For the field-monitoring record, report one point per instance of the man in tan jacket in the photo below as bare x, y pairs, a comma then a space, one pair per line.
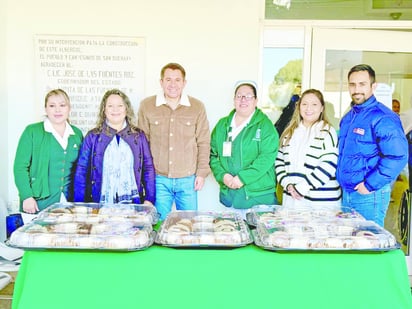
177, 128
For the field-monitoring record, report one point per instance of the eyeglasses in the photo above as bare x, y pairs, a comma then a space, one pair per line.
246, 97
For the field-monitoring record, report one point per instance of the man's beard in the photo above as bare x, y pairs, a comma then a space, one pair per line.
360, 98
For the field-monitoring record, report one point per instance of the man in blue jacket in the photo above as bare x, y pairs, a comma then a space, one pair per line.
373, 148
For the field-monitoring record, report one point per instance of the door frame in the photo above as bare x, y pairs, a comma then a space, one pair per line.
321, 35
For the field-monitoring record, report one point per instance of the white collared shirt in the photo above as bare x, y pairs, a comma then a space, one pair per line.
62, 140
237, 129
160, 99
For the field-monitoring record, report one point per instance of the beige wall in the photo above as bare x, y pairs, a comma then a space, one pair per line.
4, 151
218, 42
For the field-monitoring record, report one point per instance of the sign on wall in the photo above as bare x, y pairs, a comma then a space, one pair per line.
86, 67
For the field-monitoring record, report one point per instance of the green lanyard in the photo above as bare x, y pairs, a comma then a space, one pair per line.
229, 135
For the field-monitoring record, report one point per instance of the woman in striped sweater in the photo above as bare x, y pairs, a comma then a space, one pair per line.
307, 157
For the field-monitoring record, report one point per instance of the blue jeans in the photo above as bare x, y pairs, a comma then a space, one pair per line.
178, 190
372, 206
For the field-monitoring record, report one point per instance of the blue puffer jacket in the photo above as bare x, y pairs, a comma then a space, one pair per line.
372, 146
88, 176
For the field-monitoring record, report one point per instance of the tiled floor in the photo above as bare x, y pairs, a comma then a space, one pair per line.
6, 294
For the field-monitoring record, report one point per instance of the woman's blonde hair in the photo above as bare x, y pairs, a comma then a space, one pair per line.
57, 92
297, 118
130, 115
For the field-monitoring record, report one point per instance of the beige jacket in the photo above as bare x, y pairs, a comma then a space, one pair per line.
179, 139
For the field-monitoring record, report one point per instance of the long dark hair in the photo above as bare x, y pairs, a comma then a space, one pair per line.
297, 118
130, 115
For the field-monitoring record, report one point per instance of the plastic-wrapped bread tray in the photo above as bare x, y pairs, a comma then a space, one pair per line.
118, 227
366, 236
203, 229
278, 214
96, 213
290, 230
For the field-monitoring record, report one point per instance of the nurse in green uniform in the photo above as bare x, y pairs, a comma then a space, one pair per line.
46, 155
244, 146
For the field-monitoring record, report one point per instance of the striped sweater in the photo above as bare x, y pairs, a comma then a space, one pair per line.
309, 161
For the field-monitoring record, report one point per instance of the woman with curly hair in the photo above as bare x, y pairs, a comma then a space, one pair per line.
115, 163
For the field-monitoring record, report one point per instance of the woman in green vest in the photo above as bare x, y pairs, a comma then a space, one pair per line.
46, 155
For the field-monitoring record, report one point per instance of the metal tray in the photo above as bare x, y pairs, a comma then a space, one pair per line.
197, 229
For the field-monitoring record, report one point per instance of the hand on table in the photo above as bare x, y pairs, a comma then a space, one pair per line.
146, 202
30, 206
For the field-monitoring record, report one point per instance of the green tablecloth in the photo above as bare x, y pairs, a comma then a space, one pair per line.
247, 277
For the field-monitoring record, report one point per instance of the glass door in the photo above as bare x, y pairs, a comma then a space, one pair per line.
334, 52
